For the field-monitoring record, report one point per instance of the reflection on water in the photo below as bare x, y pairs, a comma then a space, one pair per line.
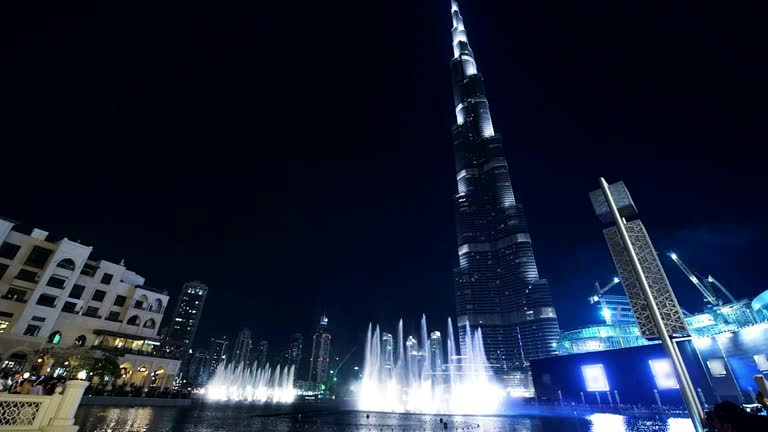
607, 423
253, 418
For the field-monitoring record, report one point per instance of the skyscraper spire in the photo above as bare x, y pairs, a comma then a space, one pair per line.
497, 282
460, 42
468, 89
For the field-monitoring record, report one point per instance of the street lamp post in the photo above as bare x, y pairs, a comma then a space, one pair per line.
686, 386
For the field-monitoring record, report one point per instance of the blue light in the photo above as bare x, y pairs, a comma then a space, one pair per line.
594, 377
606, 314
663, 373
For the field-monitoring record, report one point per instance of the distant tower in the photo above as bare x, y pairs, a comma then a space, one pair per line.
412, 357
321, 353
294, 350
199, 368
436, 352
388, 350
181, 331
241, 350
217, 350
261, 352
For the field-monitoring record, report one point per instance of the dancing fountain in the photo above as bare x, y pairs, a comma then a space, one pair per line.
414, 378
240, 383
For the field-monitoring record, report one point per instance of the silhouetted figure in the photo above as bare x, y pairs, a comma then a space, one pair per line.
761, 400
730, 417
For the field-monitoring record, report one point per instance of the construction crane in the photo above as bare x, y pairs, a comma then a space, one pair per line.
598, 297
711, 280
708, 294
599, 291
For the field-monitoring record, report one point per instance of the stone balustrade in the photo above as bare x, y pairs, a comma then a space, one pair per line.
54, 413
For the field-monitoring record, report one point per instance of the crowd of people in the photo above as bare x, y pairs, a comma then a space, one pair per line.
28, 384
135, 390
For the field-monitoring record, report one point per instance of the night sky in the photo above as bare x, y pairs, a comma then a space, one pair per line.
296, 157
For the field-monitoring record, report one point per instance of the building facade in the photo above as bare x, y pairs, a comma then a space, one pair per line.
241, 350
321, 354
217, 348
185, 320
260, 353
53, 294
497, 283
199, 370
293, 357
436, 352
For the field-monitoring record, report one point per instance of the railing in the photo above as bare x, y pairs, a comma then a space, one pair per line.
25, 412
153, 289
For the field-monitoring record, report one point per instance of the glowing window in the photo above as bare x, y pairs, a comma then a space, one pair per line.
594, 377
716, 367
4, 325
762, 362
664, 374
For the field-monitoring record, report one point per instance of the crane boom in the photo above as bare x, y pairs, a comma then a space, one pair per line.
712, 280
707, 293
594, 298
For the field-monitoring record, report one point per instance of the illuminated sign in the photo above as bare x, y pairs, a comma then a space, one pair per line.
664, 374
716, 367
594, 378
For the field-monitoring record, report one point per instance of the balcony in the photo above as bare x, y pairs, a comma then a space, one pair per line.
154, 290
138, 304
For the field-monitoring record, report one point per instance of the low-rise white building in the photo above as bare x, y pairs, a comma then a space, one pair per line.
52, 294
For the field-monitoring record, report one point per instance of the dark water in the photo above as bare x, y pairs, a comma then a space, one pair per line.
250, 418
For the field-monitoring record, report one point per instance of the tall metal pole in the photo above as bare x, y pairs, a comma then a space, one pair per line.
694, 409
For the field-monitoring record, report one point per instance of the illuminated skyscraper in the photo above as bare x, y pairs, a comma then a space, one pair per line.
388, 350
241, 350
436, 352
199, 368
497, 282
290, 355
186, 317
321, 353
260, 352
413, 358
217, 349
294, 350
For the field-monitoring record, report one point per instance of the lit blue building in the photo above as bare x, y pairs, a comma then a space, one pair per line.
728, 347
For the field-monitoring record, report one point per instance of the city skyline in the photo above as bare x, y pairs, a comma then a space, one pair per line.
572, 109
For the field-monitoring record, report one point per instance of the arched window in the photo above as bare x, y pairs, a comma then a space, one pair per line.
80, 340
55, 338
66, 264
150, 323
134, 320
141, 302
157, 306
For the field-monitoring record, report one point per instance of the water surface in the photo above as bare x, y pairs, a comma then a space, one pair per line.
252, 418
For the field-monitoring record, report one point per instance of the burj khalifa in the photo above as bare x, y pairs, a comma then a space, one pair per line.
497, 283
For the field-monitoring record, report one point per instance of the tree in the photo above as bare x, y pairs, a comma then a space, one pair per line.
105, 367
74, 358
